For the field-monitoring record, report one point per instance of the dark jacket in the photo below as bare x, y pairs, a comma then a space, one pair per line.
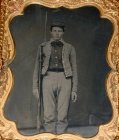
68, 60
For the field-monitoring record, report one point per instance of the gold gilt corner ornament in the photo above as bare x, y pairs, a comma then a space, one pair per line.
11, 8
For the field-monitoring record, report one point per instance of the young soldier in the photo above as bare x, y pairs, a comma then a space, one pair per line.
59, 83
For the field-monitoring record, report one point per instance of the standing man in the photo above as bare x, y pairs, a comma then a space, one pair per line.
59, 85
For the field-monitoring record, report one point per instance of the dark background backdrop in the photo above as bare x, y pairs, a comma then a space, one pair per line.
90, 35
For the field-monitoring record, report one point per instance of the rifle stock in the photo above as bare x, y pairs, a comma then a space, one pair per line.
38, 116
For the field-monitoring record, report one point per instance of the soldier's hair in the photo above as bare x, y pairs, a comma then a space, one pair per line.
63, 28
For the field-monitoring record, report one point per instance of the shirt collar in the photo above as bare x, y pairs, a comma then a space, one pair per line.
51, 40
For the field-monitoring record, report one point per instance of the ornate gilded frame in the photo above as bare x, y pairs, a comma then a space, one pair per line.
11, 8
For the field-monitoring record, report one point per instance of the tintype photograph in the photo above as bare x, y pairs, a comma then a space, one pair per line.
60, 70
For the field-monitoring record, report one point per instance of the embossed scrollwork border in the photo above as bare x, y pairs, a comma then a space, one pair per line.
10, 8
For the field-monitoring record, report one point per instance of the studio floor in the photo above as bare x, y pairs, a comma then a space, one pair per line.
85, 131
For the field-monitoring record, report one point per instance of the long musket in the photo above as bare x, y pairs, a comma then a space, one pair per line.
40, 82
40, 88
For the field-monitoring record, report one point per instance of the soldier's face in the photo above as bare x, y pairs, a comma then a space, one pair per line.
57, 33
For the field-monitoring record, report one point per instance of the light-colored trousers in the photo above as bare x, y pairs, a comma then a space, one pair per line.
56, 98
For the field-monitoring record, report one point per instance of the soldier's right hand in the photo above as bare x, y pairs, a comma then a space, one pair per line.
36, 93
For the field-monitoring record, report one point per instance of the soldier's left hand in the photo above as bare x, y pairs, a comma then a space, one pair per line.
74, 96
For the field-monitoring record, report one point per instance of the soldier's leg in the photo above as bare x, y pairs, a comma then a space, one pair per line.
64, 94
49, 102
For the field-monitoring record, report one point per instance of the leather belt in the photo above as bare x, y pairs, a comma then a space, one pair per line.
56, 70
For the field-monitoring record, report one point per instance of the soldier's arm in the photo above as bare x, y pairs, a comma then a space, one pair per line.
74, 69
